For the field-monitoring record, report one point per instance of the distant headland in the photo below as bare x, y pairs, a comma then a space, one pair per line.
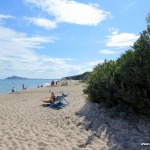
15, 77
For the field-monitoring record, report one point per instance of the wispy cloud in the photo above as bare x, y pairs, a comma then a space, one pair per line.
121, 40
18, 57
113, 30
43, 22
71, 11
2, 16
17, 47
21, 41
106, 52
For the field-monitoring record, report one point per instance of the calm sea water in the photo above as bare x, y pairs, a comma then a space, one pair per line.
7, 85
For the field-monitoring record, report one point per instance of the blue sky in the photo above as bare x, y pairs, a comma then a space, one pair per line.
57, 38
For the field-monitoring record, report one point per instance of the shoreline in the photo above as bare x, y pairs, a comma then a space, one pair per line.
6, 86
25, 124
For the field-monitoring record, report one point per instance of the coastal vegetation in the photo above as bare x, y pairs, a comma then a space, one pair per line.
123, 86
82, 77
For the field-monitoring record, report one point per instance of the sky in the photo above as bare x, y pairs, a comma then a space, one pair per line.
52, 39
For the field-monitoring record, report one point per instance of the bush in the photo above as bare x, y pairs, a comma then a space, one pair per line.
124, 84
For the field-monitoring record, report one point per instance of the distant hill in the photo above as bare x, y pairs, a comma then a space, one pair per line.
15, 77
83, 76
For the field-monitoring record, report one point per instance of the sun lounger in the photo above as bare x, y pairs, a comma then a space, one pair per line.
60, 102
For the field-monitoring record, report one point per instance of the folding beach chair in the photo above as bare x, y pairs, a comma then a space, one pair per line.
60, 101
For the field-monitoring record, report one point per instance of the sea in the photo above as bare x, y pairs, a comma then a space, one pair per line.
6, 85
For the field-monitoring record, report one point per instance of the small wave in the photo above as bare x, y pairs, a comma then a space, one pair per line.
46, 84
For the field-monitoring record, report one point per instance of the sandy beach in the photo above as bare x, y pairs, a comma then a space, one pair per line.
26, 125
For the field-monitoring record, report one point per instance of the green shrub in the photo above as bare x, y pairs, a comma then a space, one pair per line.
124, 85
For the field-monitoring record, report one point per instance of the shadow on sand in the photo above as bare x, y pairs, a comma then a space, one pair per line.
119, 134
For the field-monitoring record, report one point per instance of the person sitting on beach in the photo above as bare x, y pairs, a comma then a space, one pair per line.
50, 99
13, 90
53, 98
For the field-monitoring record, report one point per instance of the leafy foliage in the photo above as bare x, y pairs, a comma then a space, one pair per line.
83, 76
124, 84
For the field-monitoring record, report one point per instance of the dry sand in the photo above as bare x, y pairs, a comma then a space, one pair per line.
26, 125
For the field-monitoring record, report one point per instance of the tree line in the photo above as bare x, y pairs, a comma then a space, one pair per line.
82, 77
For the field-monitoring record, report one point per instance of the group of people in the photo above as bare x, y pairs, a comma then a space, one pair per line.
39, 86
54, 83
53, 98
23, 87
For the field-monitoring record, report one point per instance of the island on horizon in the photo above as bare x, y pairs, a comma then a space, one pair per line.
15, 77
